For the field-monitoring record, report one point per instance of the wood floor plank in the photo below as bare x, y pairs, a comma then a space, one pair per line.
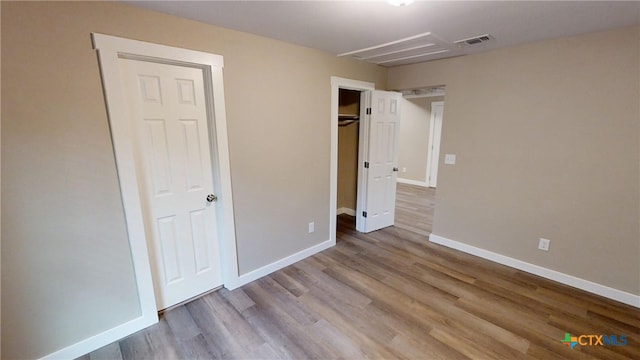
415, 289
109, 352
371, 348
389, 294
536, 331
218, 338
264, 351
276, 336
237, 298
280, 314
530, 298
356, 313
289, 283
426, 310
620, 316
577, 325
467, 346
151, 343
281, 297
198, 347
329, 336
234, 324
543, 352
181, 323
425, 347
414, 208
309, 271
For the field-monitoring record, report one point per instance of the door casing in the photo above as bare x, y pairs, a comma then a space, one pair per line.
110, 49
433, 153
338, 83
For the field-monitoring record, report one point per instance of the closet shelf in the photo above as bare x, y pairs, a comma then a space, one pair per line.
346, 122
347, 119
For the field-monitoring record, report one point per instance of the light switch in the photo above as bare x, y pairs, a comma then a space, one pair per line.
450, 159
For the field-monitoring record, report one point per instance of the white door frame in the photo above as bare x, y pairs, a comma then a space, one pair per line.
431, 181
110, 49
338, 83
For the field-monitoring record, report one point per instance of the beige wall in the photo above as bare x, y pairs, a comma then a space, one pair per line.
349, 102
348, 166
66, 265
0, 183
413, 144
547, 138
66, 268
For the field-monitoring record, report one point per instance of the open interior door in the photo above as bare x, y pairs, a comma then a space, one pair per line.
379, 160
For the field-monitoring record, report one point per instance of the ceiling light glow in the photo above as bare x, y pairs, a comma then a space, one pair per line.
400, 2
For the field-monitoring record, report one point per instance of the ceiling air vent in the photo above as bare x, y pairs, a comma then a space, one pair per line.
474, 40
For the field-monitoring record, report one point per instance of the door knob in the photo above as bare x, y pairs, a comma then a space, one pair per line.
212, 198
395, 169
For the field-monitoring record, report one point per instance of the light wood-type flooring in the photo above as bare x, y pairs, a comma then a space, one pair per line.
385, 295
414, 208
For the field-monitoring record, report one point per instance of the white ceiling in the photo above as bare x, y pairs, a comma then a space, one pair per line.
346, 26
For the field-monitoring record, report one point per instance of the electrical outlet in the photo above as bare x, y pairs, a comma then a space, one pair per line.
404, 169
450, 159
312, 226
543, 244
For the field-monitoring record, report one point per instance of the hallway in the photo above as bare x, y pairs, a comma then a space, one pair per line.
414, 208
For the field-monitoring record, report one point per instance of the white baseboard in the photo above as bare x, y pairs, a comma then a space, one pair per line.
105, 338
412, 182
277, 265
95, 342
586, 285
347, 211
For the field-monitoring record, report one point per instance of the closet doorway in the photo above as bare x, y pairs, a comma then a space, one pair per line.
348, 140
338, 84
375, 165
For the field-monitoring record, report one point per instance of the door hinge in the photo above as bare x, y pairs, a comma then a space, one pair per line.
368, 111
366, 164
364, 214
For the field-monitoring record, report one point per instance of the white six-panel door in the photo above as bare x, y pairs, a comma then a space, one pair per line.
382, 156
173, 160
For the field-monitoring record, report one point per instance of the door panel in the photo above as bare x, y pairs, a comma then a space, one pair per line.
193, 157
382, 156
200, 243
173, 159
159, 156
170, 249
